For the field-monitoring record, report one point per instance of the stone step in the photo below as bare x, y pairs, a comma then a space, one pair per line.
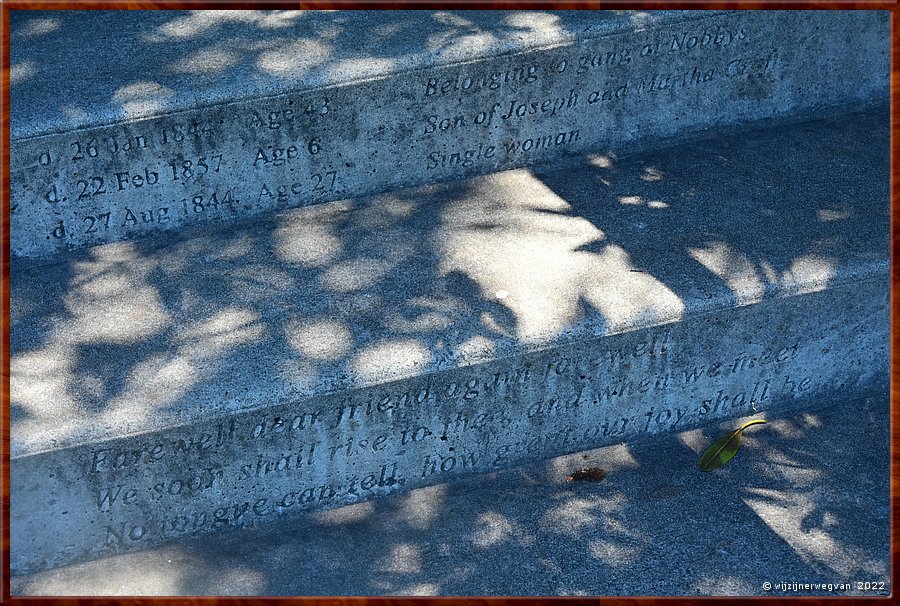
174, 386
157, 120
809, 502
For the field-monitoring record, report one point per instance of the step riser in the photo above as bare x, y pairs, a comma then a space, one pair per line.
258, 467
617, 92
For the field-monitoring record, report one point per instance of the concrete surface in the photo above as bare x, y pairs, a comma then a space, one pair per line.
806, 500
481, 324
180, 119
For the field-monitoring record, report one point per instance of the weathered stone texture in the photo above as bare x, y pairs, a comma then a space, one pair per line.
615, 92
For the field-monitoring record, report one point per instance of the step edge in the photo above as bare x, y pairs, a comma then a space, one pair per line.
417, 62
871, 271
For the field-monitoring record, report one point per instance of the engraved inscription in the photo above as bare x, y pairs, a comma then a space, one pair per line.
237, 160
622, 72
265, 460
340, 450
266, 464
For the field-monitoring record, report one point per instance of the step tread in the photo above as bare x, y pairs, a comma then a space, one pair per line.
794, 486
108, 66
159, 147
131, 337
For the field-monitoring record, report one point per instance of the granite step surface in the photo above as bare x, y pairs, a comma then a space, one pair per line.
157, 120
811, 506
177, 386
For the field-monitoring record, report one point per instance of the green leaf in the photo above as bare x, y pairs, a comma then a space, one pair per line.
722, 450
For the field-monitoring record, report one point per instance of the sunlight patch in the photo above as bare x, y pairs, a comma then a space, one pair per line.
195, 23
808, 274
652, 174
403, 558
350, 514
493, 529
421, 508
307, 237
294, 58
323, 340
227, 328
830, 214
21, 72
207, 61
476, 348
142, 98
614, 554
362, 68
391, 359
785, 513
37, 27
734, 269
600, 161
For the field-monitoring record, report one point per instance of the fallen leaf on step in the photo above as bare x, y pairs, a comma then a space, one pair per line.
593, 474
722, 450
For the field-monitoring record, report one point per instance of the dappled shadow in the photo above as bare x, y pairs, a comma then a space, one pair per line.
805, 497
177, 57
800, 503
134, 336
757, 242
